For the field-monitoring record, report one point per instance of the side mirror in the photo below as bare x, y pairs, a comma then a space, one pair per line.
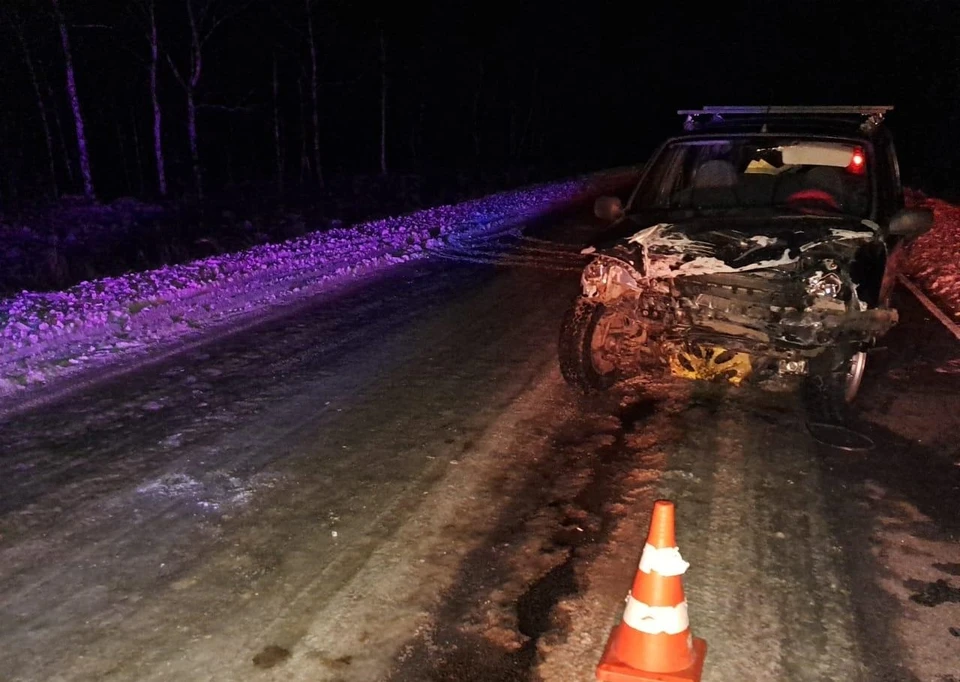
608, 208
911, 222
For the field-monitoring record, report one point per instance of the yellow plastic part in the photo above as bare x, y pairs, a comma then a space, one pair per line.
709, 364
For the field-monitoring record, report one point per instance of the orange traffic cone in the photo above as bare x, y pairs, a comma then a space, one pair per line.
653, 643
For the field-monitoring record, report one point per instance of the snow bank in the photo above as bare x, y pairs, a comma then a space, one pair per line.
933, 260
48, 335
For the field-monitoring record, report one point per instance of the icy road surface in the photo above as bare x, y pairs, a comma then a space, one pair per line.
393, 483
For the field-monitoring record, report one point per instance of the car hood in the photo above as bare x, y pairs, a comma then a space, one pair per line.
714, 245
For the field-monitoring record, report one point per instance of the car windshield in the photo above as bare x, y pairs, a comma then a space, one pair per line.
782, 173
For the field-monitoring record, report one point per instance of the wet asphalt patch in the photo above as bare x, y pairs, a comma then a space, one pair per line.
461, 644
913, 463
270, 656
933, 593
535, 606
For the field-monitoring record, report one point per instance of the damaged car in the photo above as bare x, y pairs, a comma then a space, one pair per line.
759, 247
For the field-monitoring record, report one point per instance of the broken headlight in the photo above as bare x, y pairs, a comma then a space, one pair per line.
608, 279
827, 285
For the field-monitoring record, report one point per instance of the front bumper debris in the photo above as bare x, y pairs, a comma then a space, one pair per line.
736, 327
709, 363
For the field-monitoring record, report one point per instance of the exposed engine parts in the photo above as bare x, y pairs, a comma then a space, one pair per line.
722, 304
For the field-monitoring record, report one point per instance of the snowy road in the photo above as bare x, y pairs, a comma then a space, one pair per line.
393, 483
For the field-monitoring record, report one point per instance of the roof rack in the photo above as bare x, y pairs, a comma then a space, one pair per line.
872, 115
780, 110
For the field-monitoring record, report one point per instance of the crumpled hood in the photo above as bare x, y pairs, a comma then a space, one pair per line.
707, 246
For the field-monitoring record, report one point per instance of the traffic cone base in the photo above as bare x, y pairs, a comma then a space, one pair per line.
613, 670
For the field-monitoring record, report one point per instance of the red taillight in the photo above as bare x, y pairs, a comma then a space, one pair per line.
858, 162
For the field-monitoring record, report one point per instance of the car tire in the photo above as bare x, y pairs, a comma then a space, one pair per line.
576, 355
828, 396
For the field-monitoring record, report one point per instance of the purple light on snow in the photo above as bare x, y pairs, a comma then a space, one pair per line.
46, 334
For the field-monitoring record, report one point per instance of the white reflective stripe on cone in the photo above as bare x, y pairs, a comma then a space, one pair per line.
666, 561
654, 620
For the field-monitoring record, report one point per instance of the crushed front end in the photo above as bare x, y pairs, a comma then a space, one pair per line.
702, 310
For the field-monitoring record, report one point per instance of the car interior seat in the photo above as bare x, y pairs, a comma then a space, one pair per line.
829, 180
715, 184
715, 173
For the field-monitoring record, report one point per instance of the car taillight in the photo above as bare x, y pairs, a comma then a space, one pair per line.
858, 162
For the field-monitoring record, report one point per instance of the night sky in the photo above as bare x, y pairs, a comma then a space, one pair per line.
562, 86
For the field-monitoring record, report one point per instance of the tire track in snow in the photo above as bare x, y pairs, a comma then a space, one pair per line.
514, 250
456, 329
766, 585
536, 264
24, 459
142, 459
728, 598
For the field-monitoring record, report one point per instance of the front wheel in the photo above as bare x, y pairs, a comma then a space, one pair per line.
828, 396
853, 378
589, 346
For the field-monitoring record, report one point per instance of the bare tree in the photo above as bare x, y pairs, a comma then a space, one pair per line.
157, 115
189, 81
75, 105
136, 150
383, 104
58, 125
204, 20
276, 127
228, 148
123, 158
531, 109
416, 137
41, 105
318, 169
475, 112
304, 155
10, 157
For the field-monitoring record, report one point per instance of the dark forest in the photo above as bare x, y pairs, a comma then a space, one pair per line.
193, 97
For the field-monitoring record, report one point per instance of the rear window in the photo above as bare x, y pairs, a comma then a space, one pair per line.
767, 172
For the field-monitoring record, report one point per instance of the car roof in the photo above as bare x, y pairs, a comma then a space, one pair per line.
848, 121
